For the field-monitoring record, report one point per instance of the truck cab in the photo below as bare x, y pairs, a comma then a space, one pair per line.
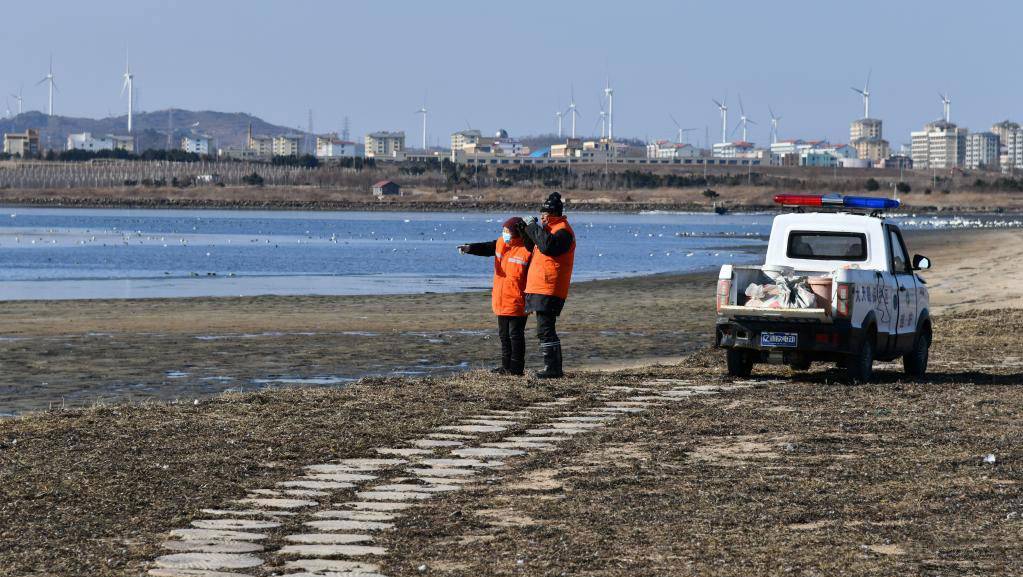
842, 286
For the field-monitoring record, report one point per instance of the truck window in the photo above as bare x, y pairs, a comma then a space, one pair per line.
899, 261
817, 245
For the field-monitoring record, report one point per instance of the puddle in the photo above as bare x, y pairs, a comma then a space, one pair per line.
325, 380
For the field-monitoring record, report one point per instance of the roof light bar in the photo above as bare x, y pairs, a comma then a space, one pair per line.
836, 200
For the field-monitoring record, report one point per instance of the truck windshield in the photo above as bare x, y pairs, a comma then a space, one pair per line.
816, 245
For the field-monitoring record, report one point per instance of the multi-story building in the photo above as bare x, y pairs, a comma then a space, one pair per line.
463, 138
1013, 151
866, 136
1003, 129
982, 151
88, 141
669, 149
287, 145
733, 149
330, 146
385, 144
239, 153
198, 144
939, 145
23, 144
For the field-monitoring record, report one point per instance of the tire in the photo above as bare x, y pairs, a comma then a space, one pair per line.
740, 363
859, 366
915, 361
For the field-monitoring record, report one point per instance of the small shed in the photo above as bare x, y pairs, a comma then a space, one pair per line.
386, 188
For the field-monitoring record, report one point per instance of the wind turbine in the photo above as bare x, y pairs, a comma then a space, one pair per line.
572, 111
946, 103
774, 125
558, 115
424, 113
17, 97
866, 95
681, 131
7, 107
723, 108
743, 120
52, 85
610, 93
129, 85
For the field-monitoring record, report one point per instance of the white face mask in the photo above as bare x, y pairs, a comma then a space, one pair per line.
506, 236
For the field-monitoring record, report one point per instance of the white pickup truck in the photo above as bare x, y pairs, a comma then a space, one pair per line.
868, 304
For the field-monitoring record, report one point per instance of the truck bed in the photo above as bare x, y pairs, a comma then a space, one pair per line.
733, 312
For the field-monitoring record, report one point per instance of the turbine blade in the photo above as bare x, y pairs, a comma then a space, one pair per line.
675, 121
751, 121
866, 86
719, 105
41, 81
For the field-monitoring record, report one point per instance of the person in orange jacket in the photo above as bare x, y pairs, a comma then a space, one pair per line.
550, 275
511, 255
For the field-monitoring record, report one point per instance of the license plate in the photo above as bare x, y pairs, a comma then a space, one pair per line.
786, 340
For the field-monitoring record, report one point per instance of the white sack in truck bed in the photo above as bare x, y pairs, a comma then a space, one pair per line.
784, 292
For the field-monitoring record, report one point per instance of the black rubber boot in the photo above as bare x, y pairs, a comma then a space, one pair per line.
551, 361
518, 367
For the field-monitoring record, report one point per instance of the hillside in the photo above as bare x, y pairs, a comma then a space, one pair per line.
228, 128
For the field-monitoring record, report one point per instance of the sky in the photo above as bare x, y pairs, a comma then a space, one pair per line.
512, 65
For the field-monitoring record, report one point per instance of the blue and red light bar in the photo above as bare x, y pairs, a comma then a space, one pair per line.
836, 201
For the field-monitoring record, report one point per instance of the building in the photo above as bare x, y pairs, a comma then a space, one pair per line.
900, 161
1013, 158
463, 138
940, 145
669, 149
1004, 129
386, 188
818, 159
866, 136
287, 145
23, 144
239, 153
982, 151
733, 149
570, 149
198, 144
385, 144
87, 141
330, 146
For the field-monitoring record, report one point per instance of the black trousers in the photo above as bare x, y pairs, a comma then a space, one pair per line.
546, 329
512, 331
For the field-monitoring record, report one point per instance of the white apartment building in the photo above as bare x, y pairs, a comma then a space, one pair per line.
87, 141
1013, 151
287, 145
384, 144
939, 145
982, 150
330, 146
671, 150
463, 138
733, 149
198, 144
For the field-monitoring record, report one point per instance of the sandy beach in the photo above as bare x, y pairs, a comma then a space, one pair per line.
783, 473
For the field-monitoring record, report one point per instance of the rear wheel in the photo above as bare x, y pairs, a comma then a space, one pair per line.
740, 363
915, 361
859, 367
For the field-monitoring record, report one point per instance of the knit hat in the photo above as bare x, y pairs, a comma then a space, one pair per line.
553, 204
512, 224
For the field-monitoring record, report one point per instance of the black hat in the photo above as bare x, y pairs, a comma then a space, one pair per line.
553, 204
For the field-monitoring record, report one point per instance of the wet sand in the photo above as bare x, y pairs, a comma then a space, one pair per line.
73, 353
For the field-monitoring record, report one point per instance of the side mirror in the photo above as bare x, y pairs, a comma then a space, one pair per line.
921, 262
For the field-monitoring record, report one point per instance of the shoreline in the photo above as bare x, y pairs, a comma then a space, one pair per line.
131, 203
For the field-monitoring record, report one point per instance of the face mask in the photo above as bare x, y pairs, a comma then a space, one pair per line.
506, 236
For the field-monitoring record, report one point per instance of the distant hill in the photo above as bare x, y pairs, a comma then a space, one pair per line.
151, 128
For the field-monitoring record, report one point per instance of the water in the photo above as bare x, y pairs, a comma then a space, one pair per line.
120, 253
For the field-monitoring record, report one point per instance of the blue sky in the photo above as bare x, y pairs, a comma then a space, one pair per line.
512, 64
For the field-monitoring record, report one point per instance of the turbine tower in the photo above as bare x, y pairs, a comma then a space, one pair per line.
610, 93
723, 108
681, 131
49, 79
17, 97
865, 93
774, 125
572, 111
7, 107
129, 85
743, 120
424, 113
557, 116
946, 104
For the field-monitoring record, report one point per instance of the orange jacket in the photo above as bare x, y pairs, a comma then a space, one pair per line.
551, 275
511, 263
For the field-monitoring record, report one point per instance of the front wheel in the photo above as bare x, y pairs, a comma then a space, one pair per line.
740, 363
915, 361
859, 366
